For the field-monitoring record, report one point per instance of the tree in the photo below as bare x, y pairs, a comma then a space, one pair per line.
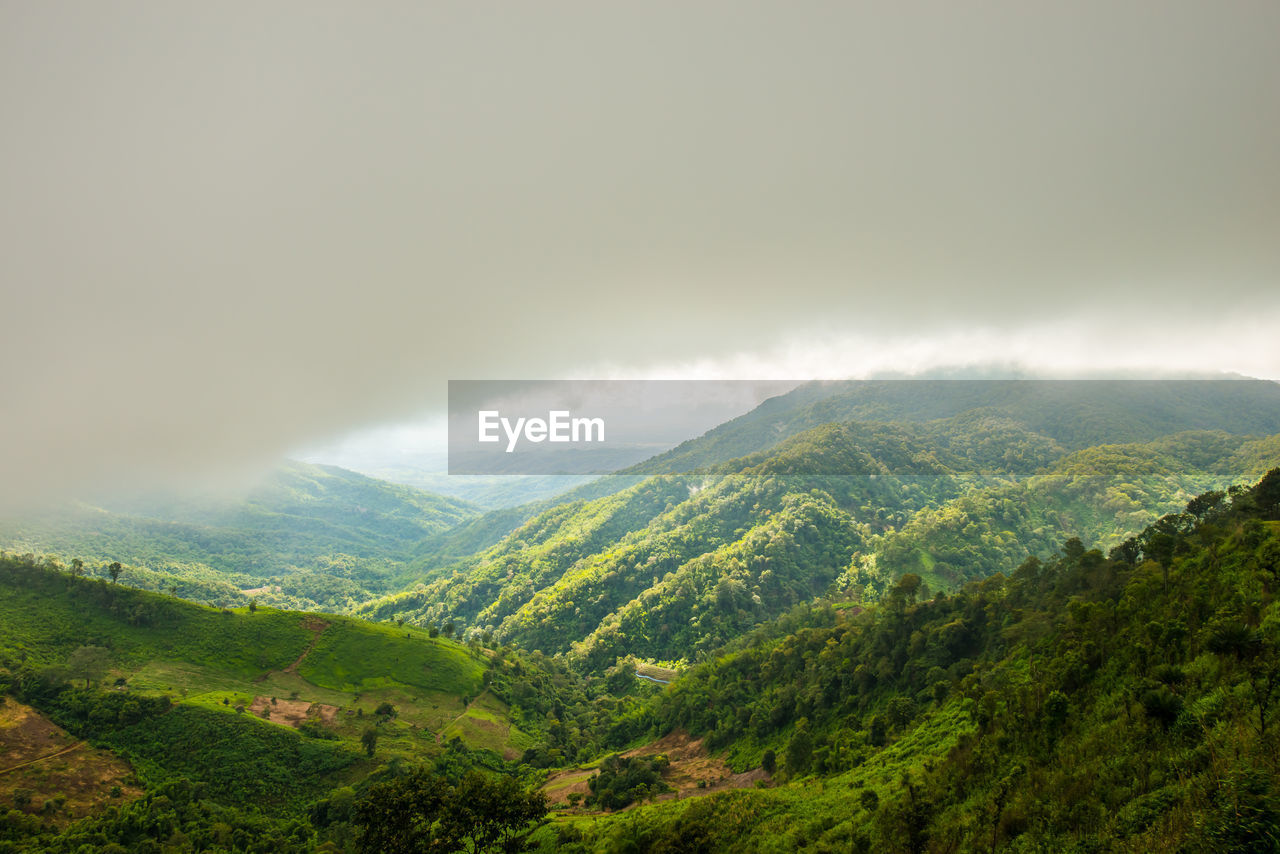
253, 606
907, 820
448, 630
77, 566
901, 710
799, 749
906, 589
1202, 504
114, 571
369, 740
769, 762
421, 812
876, 731
621, 677
403, 815
1056, 707
1267, 494
495, 815
88, 663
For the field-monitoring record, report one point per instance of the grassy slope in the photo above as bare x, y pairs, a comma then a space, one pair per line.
200, 656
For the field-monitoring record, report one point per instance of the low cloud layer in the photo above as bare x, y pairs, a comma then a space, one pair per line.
233, 230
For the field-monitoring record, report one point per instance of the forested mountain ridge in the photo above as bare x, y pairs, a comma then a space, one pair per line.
320, 537
1101, 495
1055, 416
1074, 413
949, 500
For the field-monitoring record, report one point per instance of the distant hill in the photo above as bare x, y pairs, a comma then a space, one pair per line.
487, 492
1075, 413
307, 536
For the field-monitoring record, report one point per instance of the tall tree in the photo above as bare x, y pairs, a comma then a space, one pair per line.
421, 812
88, 663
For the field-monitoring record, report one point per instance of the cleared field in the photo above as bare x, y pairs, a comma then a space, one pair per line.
44, 771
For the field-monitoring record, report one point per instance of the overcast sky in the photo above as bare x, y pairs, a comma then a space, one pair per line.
230, 230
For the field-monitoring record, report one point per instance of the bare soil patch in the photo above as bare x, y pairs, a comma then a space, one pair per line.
45, 762
561, 784
690, 764
293, 712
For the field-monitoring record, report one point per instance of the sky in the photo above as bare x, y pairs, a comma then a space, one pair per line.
231, 231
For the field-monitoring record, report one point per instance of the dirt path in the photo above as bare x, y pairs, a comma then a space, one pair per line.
66, 750
440, 734
316, 627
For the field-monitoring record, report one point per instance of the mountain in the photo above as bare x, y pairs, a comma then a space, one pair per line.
307, 536
1062, 416
1074, 413
672, 568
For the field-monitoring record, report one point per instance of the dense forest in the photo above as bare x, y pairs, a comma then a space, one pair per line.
1088, 702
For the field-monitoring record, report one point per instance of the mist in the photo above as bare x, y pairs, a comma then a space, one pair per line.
234, 231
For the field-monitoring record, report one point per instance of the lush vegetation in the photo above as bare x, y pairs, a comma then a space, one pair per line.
676, 566
198, 700
1088, 702
421, 811
624, 779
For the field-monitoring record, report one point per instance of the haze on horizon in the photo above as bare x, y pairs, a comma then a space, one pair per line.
232, 231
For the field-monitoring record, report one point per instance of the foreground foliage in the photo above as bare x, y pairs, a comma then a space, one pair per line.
1090, 702
423, 812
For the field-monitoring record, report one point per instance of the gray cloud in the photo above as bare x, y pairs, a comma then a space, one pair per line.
232, 229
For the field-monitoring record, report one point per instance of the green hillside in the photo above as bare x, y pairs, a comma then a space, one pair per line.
675, 566
213, 661
257, 722
1083, 703
1100, 495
